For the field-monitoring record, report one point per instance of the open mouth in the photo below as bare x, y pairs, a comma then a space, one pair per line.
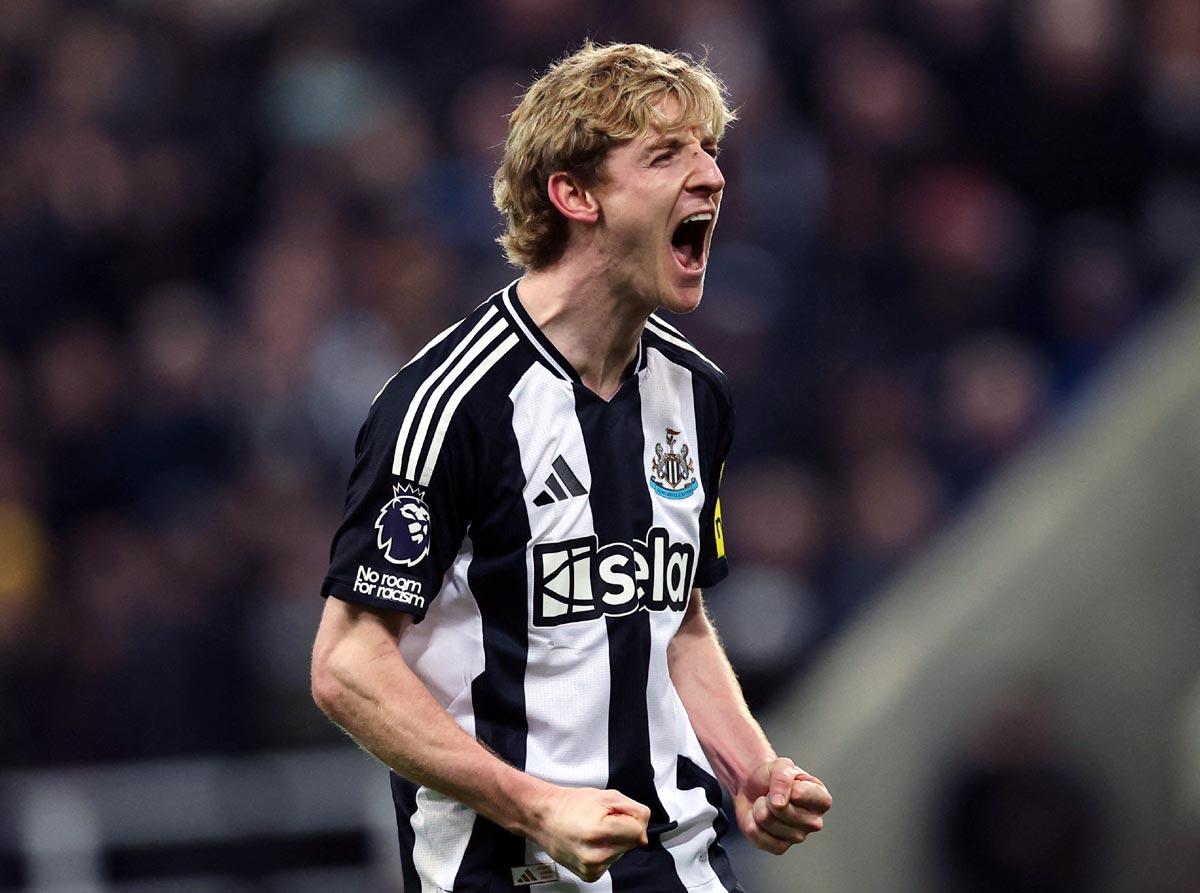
687, 242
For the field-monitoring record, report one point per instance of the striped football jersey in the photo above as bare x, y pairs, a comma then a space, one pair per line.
547, 542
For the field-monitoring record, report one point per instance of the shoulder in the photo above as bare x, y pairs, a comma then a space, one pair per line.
434, 399
453, 363
675, 346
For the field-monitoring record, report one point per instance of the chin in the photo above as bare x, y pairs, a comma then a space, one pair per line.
680, 297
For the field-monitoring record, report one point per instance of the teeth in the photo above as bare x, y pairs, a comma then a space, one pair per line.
696, 218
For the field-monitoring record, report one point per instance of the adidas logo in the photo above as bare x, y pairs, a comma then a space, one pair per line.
562, 484
537, 873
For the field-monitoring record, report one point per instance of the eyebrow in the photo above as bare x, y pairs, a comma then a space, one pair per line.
665, 142
674, 142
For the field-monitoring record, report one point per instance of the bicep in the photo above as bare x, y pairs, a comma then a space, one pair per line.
694, 623
695, 613
362, 631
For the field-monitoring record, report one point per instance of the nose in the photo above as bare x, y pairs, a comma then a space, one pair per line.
706, 175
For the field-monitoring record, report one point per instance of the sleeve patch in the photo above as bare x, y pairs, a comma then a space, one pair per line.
390, 587
718, 524
403, 527
719, 530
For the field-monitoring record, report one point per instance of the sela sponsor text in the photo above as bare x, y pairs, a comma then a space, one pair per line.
578, 579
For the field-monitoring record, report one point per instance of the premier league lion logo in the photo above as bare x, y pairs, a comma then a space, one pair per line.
403, 526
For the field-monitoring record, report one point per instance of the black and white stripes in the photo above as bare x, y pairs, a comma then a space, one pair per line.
672, 335
428, 417
518, 460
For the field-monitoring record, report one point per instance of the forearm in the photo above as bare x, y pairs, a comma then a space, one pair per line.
364, 685
776, 803
731, 738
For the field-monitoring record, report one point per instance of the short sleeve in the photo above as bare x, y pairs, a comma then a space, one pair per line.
408, 504
713, 567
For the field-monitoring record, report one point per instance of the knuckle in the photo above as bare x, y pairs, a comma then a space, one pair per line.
817, 797
822, 797
766, 842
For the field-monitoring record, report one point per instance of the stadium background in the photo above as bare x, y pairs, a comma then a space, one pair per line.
223, 225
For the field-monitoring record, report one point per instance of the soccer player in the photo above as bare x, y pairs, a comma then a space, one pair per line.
516, 625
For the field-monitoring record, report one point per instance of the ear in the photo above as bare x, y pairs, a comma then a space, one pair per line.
572, 198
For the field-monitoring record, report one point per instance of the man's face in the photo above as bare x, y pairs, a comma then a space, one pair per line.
659, 196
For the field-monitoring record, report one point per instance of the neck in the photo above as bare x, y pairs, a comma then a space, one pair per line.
594, 325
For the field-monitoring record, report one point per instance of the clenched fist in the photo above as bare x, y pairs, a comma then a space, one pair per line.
586, 830
780, 804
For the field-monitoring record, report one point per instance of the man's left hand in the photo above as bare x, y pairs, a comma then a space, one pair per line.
780, 804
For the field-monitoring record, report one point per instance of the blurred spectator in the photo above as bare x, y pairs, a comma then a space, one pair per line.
81, 393
877, 99
877, 408
24, 574
894, 499
967, 238
1094, 293
994, 396
958, 28
1018, 814
1172, 60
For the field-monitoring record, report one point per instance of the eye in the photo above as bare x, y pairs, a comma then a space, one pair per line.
662, 157
713, 150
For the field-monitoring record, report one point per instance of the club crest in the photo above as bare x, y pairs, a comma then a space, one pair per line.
673, 474
403, 526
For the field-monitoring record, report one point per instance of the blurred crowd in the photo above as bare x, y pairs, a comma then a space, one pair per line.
223, 225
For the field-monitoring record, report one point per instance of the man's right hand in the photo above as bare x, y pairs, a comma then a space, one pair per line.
363, 684
586, 830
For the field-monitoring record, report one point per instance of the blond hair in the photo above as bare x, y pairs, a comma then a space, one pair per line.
568, 119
